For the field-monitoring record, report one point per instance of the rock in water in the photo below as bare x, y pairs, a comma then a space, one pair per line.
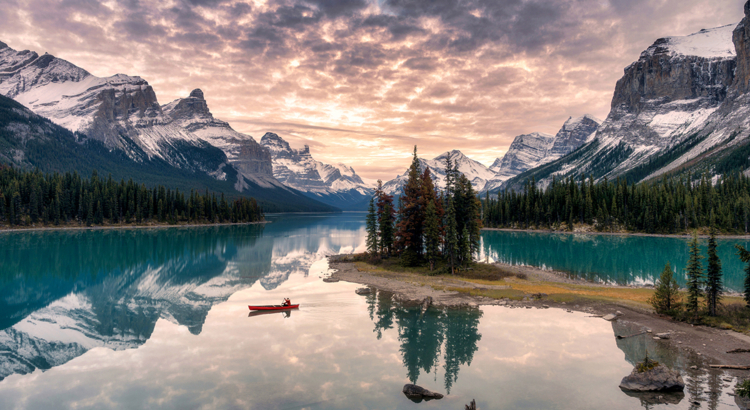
363, 291
417, 394
660, 378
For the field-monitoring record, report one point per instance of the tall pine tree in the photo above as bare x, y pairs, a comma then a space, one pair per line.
694, 272
372, 228
714, 288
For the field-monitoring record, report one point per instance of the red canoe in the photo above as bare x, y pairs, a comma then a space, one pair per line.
273, 307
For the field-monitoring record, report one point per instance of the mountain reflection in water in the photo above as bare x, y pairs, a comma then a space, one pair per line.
63, 293
159, 319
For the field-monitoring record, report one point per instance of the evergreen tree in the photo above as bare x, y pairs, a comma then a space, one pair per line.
451, 227
694, 276
411, 215
744, 255
386, 219
666, 294
372, 228
432, 234
714, 288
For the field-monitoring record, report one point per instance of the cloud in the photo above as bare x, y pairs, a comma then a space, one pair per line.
362, 81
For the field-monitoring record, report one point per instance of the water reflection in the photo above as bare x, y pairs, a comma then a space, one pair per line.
63, 293
703, 385
424, 336
608, 258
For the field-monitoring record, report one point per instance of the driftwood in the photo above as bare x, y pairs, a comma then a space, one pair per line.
471, 406
728, 366
739, 351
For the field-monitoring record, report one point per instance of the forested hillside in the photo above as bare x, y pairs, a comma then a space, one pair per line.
33, 199
672, 205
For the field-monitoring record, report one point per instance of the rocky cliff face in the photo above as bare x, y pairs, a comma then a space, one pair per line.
741, 40
684, 98
243, 152
573, 134
529, 151
337, 185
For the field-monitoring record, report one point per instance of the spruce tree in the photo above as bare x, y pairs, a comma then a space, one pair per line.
386, 219
451, 228
432, 234
411, 215
372, 228
694, 276
666, 295
714, 288
745, 257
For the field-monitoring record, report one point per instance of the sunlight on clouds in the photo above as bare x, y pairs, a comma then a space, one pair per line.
422, 74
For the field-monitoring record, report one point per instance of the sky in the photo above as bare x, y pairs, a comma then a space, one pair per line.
363, 81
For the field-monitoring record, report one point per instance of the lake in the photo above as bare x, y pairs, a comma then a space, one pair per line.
158, 319
617, 259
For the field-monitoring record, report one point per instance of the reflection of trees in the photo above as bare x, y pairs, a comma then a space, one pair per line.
461, 338
424, 336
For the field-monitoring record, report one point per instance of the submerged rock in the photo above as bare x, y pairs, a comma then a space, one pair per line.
417, 394
330, 280
660, 378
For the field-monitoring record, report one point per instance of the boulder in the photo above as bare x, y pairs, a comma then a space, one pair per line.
662, 335
660, 378
610, 317
363, 291
417, 394
330, 280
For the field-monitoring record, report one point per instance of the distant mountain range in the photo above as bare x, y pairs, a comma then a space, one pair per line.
526, 152
120, 119
681, 107
336, 185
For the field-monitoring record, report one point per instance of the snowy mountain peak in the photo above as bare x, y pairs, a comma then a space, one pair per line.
298, 169
455, 156
274, 143
711, 43
3, 45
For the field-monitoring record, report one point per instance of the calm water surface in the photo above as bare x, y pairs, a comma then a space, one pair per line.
609, 258
137, 319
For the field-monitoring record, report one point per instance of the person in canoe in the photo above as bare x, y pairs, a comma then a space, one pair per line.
287, 302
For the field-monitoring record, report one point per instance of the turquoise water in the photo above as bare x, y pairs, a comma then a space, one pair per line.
609, 258
158, 319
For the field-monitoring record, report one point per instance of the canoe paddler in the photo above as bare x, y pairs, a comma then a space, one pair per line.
287, 302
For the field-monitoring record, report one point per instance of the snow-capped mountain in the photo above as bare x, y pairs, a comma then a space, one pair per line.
683, 106
248, 157
532, 150
122, 113
475, 171
337, 185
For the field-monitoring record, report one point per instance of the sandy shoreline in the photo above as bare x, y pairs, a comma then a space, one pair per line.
654, 235
123, 227
711, 344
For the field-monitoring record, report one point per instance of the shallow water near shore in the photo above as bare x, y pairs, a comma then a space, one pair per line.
159, 319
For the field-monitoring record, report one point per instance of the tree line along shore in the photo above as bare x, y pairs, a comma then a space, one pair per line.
667, 206
31, 198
